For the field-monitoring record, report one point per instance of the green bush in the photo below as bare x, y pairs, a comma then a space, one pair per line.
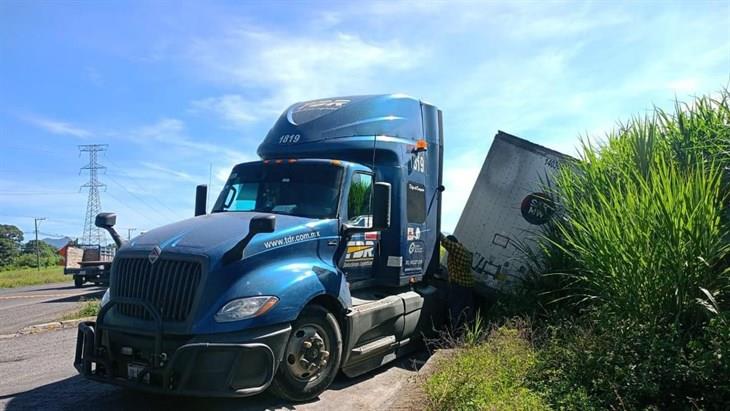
89, 308
30, 261
488, 376
606, 363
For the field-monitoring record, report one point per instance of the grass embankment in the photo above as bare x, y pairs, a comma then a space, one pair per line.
491, 374
630, 293
89, 308
31, 276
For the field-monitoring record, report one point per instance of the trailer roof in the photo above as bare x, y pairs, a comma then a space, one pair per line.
528, 145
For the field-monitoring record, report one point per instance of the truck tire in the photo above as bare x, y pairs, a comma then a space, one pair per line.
311, 358
79, 281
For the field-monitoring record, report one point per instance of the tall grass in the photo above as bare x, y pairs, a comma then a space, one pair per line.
491, 375
21, 277
644, 227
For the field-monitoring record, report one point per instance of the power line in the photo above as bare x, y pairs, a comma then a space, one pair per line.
93, 234
140, 199
37, 250
126, 204
134, 181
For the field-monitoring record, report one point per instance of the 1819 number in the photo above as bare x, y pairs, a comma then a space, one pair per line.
289, 138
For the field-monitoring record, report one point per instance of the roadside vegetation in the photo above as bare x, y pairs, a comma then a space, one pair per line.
19, 261
89, 308
629, 298
21, 277
490, 371
16, 254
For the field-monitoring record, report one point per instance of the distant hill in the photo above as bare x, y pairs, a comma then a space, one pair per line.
57, 242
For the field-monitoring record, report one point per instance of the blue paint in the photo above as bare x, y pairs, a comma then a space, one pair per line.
300, 259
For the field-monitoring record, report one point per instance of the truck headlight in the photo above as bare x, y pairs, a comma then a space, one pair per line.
248, 307
105, 298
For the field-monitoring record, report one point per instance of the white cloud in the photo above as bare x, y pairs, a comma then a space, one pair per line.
230, 107
221, 174
57, 127
170, 134
460, 174
274, 70
174, 149
549, 73
180, 175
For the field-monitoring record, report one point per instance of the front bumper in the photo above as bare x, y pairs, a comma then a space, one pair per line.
217, 365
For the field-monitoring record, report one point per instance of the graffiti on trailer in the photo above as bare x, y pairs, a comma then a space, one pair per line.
482, 266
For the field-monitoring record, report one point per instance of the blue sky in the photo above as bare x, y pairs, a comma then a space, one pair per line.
176, 88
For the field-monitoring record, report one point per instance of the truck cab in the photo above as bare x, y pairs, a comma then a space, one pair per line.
316, 258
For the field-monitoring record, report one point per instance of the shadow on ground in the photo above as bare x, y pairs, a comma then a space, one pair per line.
77, 393
74, 298
69, 287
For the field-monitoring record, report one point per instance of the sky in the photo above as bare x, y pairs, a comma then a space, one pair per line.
182, 91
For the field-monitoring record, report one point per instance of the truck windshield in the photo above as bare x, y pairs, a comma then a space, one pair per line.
301, 189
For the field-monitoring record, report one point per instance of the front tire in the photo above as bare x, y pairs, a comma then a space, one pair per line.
312, 357
79, 282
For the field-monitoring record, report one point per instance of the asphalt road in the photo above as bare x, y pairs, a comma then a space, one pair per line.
21, 307
36, 373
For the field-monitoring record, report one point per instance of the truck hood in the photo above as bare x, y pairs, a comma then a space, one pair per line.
206, 233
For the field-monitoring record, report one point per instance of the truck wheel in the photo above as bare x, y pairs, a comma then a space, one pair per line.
79, 282
312, 357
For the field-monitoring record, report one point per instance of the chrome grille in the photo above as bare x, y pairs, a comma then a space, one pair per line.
169, 285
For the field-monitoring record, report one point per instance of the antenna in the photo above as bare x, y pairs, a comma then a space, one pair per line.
210, 184
92, 233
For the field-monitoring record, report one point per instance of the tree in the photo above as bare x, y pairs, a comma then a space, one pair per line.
44, 249
10, 239
47, 253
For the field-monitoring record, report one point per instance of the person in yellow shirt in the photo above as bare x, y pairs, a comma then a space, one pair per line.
461, 281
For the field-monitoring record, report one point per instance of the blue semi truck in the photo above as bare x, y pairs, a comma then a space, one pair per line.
317, 258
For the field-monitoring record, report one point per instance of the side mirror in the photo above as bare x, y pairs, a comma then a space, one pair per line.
258, 224
201, 198
381, 206
262, 224
107, 222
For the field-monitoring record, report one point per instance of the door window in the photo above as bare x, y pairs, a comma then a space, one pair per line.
359, 200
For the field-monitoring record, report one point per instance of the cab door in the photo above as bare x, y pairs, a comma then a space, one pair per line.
362, 248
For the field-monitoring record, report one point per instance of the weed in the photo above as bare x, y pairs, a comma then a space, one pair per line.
31, 276
487, 376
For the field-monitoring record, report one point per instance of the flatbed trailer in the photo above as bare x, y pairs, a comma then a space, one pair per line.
89, 263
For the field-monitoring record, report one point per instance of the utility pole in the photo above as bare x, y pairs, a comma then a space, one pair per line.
129, 233
93, 234
37, 249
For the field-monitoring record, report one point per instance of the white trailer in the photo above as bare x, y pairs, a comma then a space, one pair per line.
506, 208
